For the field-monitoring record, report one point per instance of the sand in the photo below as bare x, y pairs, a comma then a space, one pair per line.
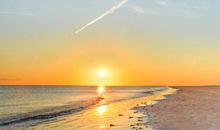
191, 108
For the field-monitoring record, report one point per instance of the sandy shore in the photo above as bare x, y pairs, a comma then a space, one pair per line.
192, 108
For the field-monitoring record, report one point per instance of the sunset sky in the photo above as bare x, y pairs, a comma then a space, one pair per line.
140, 42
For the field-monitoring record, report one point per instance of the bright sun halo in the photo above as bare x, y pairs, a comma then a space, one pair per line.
102, 73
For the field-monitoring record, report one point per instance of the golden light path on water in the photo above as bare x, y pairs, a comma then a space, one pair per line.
100, 90
102, 109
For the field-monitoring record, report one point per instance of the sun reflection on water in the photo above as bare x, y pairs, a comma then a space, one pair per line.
100, 90
101, 110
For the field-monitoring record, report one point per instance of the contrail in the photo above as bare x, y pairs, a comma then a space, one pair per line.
110, 11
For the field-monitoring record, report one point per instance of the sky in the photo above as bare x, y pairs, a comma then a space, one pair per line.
137, 42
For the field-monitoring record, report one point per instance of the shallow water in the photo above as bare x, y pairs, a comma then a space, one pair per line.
65, 106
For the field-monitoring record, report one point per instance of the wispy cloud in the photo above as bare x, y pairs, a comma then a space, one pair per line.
108, 12
16, 13
141, 10
163, 3
137, 9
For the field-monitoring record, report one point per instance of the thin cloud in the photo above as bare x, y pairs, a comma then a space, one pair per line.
137, 9
16, 13
110, 11
141, 10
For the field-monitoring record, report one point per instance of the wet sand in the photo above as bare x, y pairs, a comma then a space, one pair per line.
192, 108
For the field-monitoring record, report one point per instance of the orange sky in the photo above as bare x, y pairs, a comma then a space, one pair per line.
136, 42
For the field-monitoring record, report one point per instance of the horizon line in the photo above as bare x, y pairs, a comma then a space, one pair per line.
26, 85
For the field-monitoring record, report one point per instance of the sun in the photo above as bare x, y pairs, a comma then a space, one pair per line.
102, 73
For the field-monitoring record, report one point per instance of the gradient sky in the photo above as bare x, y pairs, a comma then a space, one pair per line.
145, 42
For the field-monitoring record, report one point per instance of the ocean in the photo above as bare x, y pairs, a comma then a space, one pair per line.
24, 107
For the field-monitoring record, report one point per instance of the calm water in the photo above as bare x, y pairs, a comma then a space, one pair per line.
20, 104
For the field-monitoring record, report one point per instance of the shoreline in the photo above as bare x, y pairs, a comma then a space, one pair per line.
190, 108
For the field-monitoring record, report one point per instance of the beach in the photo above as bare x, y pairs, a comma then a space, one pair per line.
80, 108
136, 108
191, 108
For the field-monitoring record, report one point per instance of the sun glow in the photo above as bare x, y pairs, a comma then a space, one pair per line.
102, 73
